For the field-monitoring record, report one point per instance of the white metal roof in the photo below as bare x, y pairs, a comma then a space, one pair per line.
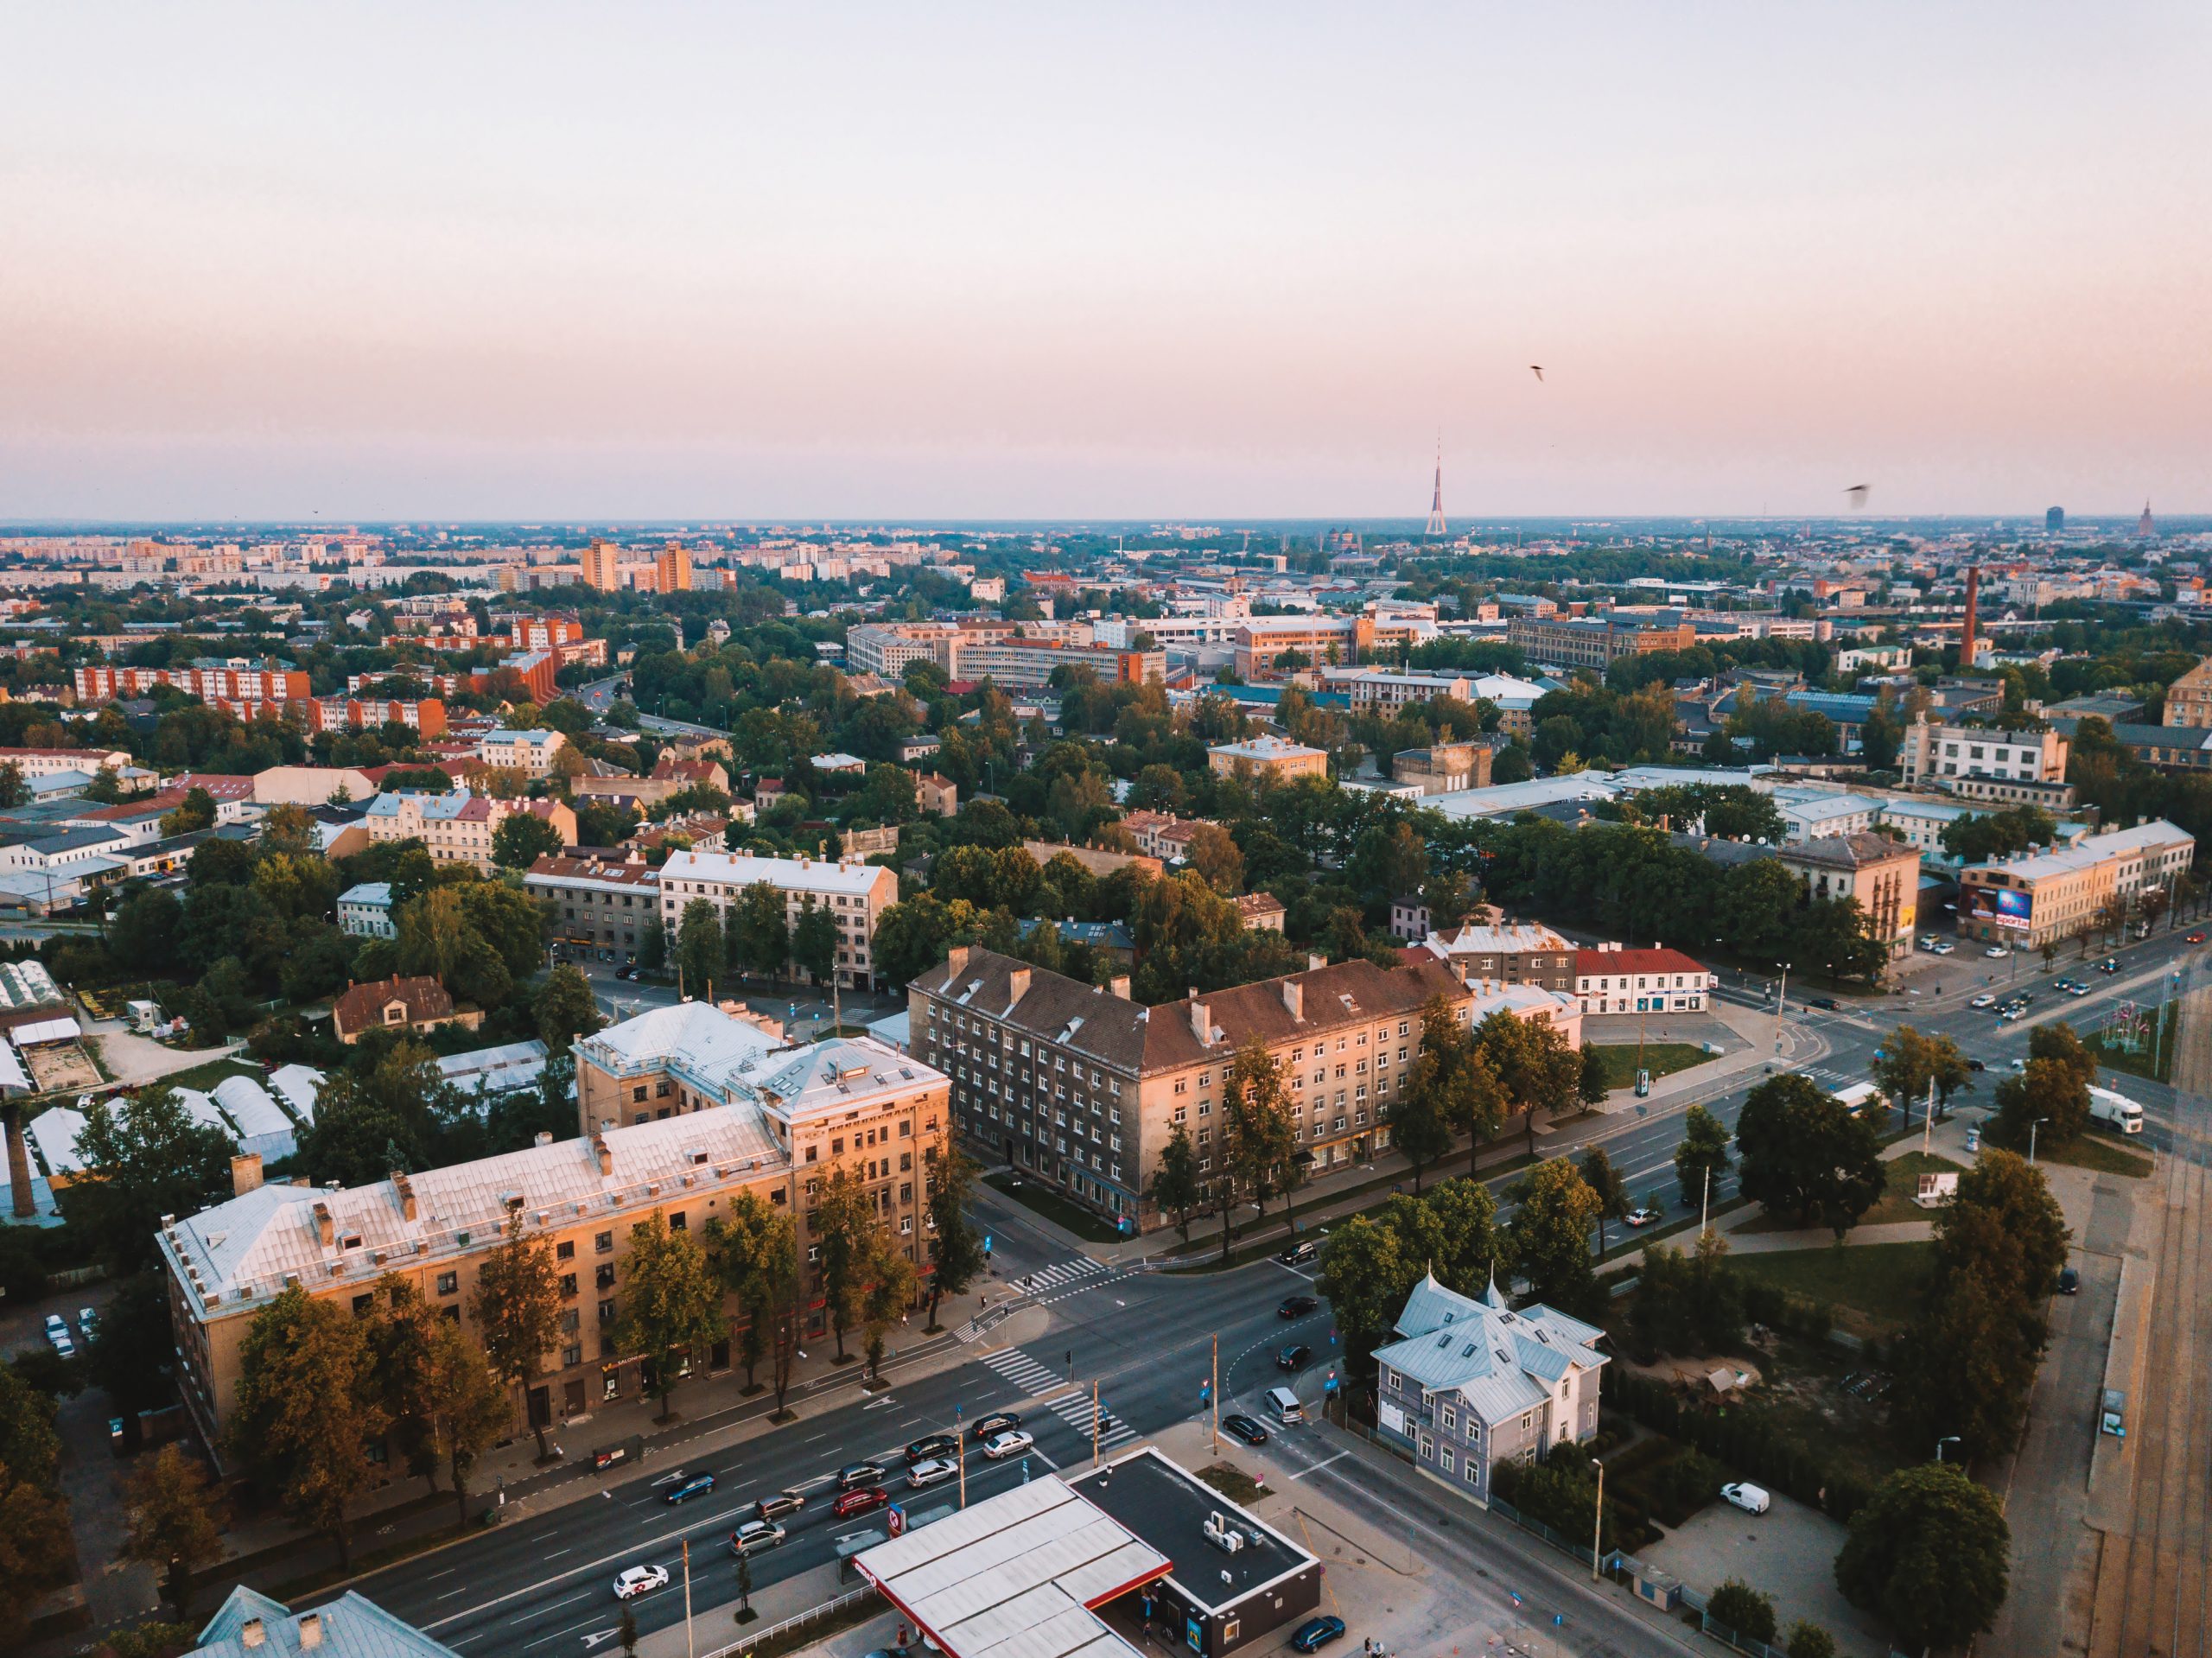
295, 1086
54, 1133
788, 874
246, 1103
46, 1030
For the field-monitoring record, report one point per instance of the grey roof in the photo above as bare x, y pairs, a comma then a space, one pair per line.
1501, 1362
352, 1626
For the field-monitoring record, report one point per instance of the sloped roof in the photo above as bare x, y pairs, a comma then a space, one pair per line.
357, 1006
1501, 1362
352, 1626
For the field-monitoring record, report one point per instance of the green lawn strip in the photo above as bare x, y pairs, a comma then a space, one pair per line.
205, 1076
2097, 1152
1896, 1204
1874, 1289
1054, 1207
1660, 1059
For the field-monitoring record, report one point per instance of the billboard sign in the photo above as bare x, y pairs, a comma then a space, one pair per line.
2002, 906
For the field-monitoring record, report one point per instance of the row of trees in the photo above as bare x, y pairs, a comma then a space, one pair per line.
757, 937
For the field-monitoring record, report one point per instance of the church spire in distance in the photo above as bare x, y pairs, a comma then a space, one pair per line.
1436, 501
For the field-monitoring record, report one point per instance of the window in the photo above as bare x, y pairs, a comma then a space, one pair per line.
603, 1278
564, 1251
448, 1283
602, 1243
568, 1283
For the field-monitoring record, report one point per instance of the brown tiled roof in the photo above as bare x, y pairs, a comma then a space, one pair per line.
1253, 904
1849, 851
360, 1006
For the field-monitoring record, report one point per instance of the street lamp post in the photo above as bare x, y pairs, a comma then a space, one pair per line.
1948, 1438
1597, 1525
2033, 1127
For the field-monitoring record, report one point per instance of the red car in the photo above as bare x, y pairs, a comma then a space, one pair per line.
2196, 938
866, 1500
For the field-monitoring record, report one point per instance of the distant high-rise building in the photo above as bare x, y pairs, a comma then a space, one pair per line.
1436, 501
2054, 519
601, 563
2144, 526
673, 569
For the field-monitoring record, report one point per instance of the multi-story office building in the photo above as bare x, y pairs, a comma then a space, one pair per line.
457, 827
1594, 641
855, 894
1081, 1087
600, 903
2042, 898
1942, 756
684, 1107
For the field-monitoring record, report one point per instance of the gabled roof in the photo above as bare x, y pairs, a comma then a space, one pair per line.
1500, 1362
359, 1005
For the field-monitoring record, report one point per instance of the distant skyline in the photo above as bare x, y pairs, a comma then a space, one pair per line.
877, 264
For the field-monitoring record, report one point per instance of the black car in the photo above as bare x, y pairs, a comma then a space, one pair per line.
933, 1444
1976, 1064
997, 1423
1244, 1427
1297, 1306
860, 1473
1316, 1633
1293, 1356
2069, 1282
1825, 1003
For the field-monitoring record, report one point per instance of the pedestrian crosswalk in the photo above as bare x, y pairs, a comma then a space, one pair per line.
1059, 1274
1829, 1077
1072, 1406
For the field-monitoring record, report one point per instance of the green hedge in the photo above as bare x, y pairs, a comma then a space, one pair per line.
1741, 1437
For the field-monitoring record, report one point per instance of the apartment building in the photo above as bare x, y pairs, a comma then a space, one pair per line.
601, 566
1442, 767
1273, 757
530, 752
51, 762
1611, 979
457, 827
672, 568
1081, 1087
1507, 952
1942, 756
855, 894
1029, 664
694, 1106
1163, 834
2042, 898
1594, 641
1262, 641
2189, 699
1883, 874
237, 679
600, 903
365, 911
426, 718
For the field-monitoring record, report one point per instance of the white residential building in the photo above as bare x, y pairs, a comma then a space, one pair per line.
855, 894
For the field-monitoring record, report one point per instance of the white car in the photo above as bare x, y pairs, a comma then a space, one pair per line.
638, 1579
1010, 1444
57, 1331
1641, 1216
1945, 949
1983, 1000
1997, 952
930, 1470
1752, 1499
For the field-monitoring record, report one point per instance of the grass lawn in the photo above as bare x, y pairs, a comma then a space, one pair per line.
1660, 1059
1896, 1202
205, 1077
1054, 1207
2099, 1151
1875, 1289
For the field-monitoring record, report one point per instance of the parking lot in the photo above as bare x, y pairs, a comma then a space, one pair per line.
1787, 1553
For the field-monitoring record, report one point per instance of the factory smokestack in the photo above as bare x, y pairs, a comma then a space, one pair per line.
1966, 636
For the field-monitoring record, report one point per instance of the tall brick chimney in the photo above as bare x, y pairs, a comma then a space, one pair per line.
1966, 634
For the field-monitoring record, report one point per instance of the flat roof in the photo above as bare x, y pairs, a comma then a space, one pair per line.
1168, 1506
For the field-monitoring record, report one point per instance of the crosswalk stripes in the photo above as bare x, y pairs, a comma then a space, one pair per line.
1059, 1274
1073, 1408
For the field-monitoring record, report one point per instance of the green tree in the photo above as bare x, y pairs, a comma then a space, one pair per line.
671, 1304
653, 944
844, 1229
1593, 1087
1809, 1641
1736, 1605
1418, 1129
1176, 1189
1910, 1061
1929, 1555
35, 1552
887, 1291
814, 942
522, 839
133, 1357
146, 1158
750, 1249
471, 1411
14, 791
699, 948
1258, 1135
1807, 1153
1602, 1178
1549, 1237
175, 1516
1215, 857
1365, 1277
762, 930
1701, 1159
2049, 1096
566, 1008
307, 1411
194, 812
956, 1257
1535, 1065
399, 1338
516, 1307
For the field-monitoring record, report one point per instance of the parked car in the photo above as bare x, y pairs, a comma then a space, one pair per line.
931, 1446
1239, 1426
778, 1502
2069, 1281
1945, 948
1752, 1499
997, 1422
860, 1473
1643, 1216
57, 1331
697, 1485
1293, 1356
1012, 1443
754, 1535
88, 1322
1316, 1633
638, 1579
930, 1470
1297, 1306
1985, 1000
866, 1500
1997, 952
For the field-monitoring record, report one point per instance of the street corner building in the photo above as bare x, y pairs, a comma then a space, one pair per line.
1470, 1384
682, 1108
855, 894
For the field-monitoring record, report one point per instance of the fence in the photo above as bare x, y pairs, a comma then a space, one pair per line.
813, 1615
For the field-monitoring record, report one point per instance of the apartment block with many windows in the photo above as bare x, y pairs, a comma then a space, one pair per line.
855, 894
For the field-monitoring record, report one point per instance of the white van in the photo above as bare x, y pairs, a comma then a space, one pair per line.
2116, 1111
1752, 1499
1283, 1405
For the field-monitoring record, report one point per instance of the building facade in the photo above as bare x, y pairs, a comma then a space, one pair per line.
1593, 642
1883, 874
1939, 756
598, 903
1507, 953
458, 827
365, 911
1273, 757
855, 894
1613, 980
2189, 699
2044, 898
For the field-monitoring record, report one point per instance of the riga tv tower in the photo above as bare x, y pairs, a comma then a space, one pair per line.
1436, 501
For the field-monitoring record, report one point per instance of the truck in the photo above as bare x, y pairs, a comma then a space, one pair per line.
2116, 1111
1863, 1099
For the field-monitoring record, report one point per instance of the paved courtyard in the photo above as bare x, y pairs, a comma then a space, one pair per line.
1787, 1553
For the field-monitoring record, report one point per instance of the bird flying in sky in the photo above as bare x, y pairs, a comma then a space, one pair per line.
1537, 371
1856, 494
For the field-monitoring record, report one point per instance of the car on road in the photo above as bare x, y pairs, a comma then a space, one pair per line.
638, 1579
1643, 1216
2069, 1281
2195, 939
997, 1423
1997, 952
1752, 1499
1826, 1004
1012, 1443
1243, 1427
2110, 965
57, 1331
931, 1446
1293, 1356
1297, 1306
930, 1470
860, 1473
1983, 1000
1945, 948
697, 1485
866, 1500
2076, 989
755, 1534
1976, 1064
1316, 1633
778, 1502
1298, 1254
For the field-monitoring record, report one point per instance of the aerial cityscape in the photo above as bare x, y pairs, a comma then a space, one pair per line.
1098, 835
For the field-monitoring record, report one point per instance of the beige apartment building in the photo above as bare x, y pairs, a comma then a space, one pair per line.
1081, 1087
601, 903
1883, 874
1594, 641
2189, 699
855, 894
2046, 897
458, 827
694, 1106
672, 568
601, 566
1943, 756
1441, 768
1275, 757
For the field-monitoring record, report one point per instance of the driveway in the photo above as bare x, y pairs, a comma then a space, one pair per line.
1787, 1553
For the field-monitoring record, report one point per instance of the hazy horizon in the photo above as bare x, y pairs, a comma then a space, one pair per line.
991, 263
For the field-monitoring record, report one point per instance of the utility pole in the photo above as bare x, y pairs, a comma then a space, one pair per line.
1927, 1117
1094, 1427
1781, 1004
1213, 1393
1597, 1525
690, 1648
960, 1429
1704, 1210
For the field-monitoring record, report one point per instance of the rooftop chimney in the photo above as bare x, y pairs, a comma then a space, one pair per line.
1201, 1019
326, 1229
544, 1137
406, 1188
957, 957
1293, 997
1315, 961
601, 1150
310, 1631
1119, 985
245, 1174
1017, 986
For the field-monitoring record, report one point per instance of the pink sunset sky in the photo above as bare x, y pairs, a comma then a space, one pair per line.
899, 262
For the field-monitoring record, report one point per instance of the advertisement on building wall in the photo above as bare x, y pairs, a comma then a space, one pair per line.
2001, 907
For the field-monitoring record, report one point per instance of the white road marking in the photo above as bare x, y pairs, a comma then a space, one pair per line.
1319, 1466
